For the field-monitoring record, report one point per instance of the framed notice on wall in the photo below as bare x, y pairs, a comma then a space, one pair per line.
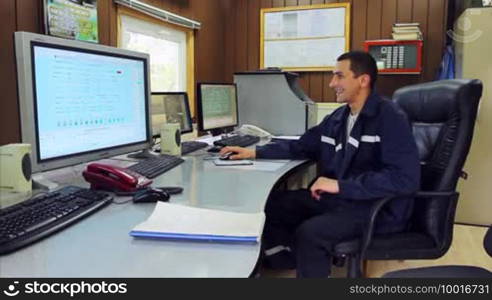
72, 19
304, 38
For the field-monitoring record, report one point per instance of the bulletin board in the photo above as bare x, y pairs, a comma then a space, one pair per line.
304, 38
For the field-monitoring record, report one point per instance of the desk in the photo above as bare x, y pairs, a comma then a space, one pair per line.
100, 245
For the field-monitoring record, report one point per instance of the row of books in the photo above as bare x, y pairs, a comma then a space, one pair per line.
406, 31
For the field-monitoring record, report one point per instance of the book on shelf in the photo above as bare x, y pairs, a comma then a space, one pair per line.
406, 24
179, 222
406, 29
405, 36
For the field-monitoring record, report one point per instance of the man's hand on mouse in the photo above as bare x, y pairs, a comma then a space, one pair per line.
239, 152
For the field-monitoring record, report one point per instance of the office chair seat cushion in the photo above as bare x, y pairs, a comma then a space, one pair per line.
441, 272
387, 242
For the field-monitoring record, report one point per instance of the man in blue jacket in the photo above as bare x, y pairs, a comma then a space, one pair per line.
366, 151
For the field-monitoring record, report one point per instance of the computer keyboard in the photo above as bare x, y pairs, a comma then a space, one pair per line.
237, 140
187, 147
29, 221
156, 166
191, 146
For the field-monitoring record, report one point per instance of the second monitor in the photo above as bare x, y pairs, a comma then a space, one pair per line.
170, 107
173, 107
217, 107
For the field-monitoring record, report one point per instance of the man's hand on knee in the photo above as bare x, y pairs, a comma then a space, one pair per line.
324, 185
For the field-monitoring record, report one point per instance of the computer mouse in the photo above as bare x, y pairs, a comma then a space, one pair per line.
227, 155
150, 195
171, 190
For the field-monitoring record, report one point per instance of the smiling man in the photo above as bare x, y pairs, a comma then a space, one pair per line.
365, 150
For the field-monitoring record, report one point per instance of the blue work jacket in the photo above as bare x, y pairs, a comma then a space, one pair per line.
379, 159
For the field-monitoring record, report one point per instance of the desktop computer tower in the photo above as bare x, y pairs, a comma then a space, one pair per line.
15, 171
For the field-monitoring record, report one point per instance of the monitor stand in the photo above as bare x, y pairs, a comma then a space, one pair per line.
221, 131
43, 184
144, 154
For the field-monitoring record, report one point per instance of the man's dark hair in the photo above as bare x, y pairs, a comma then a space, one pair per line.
361, 63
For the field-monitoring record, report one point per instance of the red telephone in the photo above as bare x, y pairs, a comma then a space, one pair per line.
107, 177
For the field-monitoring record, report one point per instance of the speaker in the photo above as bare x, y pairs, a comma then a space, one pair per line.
15, 171
171, 139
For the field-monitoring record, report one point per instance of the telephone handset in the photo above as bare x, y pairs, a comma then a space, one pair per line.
108, 177
254, 130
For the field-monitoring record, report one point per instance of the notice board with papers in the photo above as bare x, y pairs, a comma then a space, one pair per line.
304, 38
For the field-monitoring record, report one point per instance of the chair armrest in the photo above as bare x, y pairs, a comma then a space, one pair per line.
376, 208
367, 235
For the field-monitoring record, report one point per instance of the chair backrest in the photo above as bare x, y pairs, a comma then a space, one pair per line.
443, 116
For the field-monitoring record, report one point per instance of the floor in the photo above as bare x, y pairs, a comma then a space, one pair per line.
466, 249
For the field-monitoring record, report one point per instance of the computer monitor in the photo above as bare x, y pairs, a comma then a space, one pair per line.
217, 107
170, 107
80, 101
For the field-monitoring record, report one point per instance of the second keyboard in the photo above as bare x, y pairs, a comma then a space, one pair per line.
156, 166
237, 140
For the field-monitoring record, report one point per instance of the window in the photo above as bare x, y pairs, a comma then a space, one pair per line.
170, 48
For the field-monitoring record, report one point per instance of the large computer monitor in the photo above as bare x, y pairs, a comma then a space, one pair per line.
170, 107
217, 107
80, 101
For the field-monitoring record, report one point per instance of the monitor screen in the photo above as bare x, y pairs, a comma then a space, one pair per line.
170, 107
80, 102
217, 106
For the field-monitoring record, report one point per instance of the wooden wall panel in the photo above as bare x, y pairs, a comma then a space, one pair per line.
359, 23
9, 125
374, 17
104, 19
209, 41
290, 2
388, 17
404, 11
29, 16
370, 19
253, 24
229, 42
307, 2
241, 36
278, 3
266, 4
435, 36
420, 15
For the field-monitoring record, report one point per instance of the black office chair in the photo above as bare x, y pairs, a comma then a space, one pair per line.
443, 115
448, 271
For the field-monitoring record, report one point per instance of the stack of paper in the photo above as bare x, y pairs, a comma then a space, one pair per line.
406, 31
172, 221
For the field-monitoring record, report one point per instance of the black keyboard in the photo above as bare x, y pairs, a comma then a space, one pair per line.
191, 146
156, 166
29, 221
237, 140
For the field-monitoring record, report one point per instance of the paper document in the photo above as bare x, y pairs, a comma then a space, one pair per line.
173, 221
